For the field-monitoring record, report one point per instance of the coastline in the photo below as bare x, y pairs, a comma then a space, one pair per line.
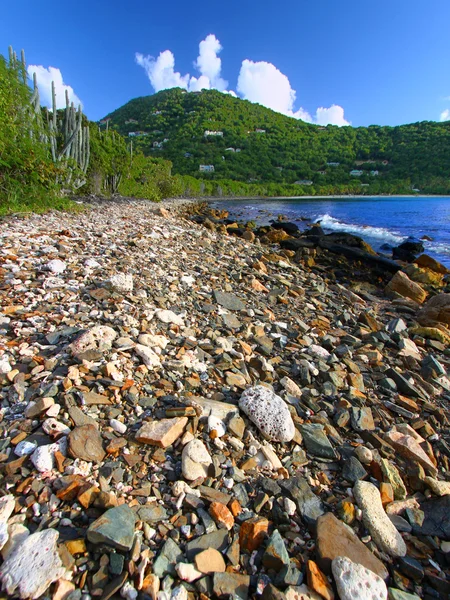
133, 333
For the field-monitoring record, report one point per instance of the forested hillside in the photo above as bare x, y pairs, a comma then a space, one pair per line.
250, 143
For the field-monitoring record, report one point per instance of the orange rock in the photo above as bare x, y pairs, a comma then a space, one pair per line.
161, 433
76, 546
258, 286
235, 507
63, 588
317, 581
221, 514
87, 495
387, 493
401, 285
252, 533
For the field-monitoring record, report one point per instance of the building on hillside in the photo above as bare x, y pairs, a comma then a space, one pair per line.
157, 144
322, 172
374, 173
187, 155
257, 130
356, 173
213, 133
206, 168
238, 149
156, 113
333, 164
303, 182
137, 133
131, 121
364, 162
230, 149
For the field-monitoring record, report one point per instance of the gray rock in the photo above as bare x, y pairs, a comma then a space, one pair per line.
316, 441
362, 419
403, 385
85, 442
268, 412
28, 571
228, 301
231, 585
381, 528
98, 339
355, 582
152, 513
353, 470
308, 504
275, 556
436, 518
168, 558
114, 528
217, 540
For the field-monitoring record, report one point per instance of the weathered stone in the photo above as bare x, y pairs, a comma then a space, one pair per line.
252, 533
316, 441
362, 419
436, 520
392, 476
376, 520
85, 442
210, 561
401, 285
29, 570
308, 504
195, 460
318, 582
97, 339
301, 592
221, 514
407, 446
334, 539
161, 433
438, 487
435, 311
114, 528
226, 585
150, 359
228, 301
269, 413
121, 282
275, 556
217, 540
355, 582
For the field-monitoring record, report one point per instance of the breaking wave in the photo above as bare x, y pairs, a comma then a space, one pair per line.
378, 233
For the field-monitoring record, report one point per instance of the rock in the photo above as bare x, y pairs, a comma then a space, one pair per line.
353, 470
376, 520
362, 419
85, 442
275, 556
395, 594
114, 528
121, 283
161, 433
308, 504
334, 539
5, 367
355, 582
210, 561
217, 540
168, 558
188, 572
228, 301
226, 585
392, 476
364, 455
316, 441
272, 593
440, 488
150, 359
168, 316
43, 458
427, 262
7, 505
118, 426
435, 311
318, 582
268, 412
95, 341
56, 266
195, 460
436, 520
301, 592
407, 446
221, 515
401, 285
28, 570
252, 533
179, 593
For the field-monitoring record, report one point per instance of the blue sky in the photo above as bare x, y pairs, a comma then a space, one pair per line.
384, 62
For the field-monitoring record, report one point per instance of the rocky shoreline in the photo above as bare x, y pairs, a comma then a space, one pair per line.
190, 414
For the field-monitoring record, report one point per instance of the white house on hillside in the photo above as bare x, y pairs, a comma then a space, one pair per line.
356, 173
206, 168
213, 133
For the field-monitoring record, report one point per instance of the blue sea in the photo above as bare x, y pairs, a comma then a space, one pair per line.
378, 220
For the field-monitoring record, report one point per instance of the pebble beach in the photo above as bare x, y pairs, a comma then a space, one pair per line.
187, 414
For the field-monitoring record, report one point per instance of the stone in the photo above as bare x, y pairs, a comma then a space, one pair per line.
152, 513
150, 359
7, 505
427, 262
121, 283
5, 367
364, 455
188, 572
195, 460
309, 505
179, 593
401, 285
228, 301
114, 528
85, 442
301, 592
168, 558
217, 540
63, 588
34, 409
391, 475
221, 515
272, 593
334, 539
355, 582
252, 533
353, 470
440, 488
168, 316
162, 433
210, 561
436, 520
43, 458
17, 533
98, 339
316, 441
56, 266
383, 532
362, 419
231, 585
395, 594
268, 412
33, 565
318, 582
407, 446
275, 556
435, 311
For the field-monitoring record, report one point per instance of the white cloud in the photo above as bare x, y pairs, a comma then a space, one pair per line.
44, 79
162, 75
445, 115
259, 82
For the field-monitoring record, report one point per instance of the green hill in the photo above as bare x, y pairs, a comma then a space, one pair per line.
256, 144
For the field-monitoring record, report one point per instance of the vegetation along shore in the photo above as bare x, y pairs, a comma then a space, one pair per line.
195, 408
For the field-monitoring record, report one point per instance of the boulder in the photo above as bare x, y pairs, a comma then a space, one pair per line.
355, 582
426, 262
407, 251
268, 412
435, 310
401, 285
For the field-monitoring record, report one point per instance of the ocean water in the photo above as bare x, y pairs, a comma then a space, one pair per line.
378, 220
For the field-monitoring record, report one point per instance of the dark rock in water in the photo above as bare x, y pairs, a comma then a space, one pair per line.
386, 247
437, 518
407, 251
286, 226
347, 239
315, 231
